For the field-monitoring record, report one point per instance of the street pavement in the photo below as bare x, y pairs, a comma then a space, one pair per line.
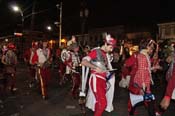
28, 102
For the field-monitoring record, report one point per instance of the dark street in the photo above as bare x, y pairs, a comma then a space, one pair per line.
28, 102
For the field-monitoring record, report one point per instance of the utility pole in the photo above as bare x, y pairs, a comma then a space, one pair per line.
84, 12
59, 6
60, 23
33, 15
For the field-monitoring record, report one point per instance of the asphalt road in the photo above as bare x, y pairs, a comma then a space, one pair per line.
28, 102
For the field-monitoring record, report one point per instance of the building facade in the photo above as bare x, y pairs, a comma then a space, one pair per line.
95, 36
166, 31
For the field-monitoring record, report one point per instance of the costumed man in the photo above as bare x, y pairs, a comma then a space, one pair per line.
61, 66
9, 59
65, 57
43, 60
86, 50
73, 62
170, 77
99, 98
2, 78
47, 64
128, 72
73, 40
140, 84
30, 60
170, 92
65, 69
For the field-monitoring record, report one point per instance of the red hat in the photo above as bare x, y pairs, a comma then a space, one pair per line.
110, 40
11, 46
34, 44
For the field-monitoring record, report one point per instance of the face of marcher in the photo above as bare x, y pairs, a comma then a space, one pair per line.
44, 44
4, 47
116, 56
150, 49
109, 48
73, 39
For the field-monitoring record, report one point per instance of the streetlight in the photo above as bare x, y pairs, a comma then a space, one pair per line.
18, 9
49, 28
59, 6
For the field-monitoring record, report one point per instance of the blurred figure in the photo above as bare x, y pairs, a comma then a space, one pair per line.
65, 69
61, 66
73, 40
29, 60
170, 78
9, 59
73, 62
86, 50
2, 77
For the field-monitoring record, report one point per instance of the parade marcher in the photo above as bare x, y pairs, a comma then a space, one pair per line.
73, 62
42, 57
30, 61
26, 56
61, 66
58, 54
170, 92
97, 61
141, 87
156, 74
65, 69
73, 40
47, 53
128, 72
170, 78
2, 78
86, 50
9, 59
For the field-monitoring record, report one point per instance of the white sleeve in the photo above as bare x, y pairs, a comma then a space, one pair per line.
88, 58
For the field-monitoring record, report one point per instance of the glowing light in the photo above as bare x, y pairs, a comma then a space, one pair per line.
16, 8
63, 40
49, 28
6, 40
18, 34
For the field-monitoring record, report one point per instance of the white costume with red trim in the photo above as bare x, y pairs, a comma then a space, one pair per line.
41, 57
93, 87
100, 96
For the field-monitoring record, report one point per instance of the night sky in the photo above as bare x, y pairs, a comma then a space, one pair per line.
102, 13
